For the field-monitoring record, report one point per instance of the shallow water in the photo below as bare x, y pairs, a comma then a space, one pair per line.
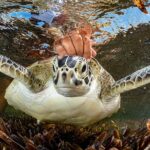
127, 52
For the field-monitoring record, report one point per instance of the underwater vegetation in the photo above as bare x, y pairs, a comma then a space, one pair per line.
16, 134
26, 43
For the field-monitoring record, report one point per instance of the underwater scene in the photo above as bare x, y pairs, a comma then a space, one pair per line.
53, 98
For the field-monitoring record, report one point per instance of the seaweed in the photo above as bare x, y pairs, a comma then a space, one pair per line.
27, 134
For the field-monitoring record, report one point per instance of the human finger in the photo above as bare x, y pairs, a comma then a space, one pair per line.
60, 50
77, 42
86, 31
68, 45
87, 48
94, 53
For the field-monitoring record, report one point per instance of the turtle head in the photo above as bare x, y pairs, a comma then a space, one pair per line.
72, 76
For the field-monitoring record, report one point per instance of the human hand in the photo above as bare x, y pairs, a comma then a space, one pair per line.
77, 42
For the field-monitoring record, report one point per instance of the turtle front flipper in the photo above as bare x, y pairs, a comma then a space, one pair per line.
133, 81
24, 75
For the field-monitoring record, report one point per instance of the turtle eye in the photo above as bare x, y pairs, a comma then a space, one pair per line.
83, 68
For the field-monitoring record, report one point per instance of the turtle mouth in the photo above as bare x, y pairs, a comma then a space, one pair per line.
72, 91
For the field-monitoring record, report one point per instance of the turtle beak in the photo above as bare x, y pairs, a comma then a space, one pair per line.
71, 91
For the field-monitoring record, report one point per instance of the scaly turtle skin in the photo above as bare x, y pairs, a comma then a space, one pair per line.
68, 90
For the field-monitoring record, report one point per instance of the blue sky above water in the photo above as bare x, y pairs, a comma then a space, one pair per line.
24, 15
130, 17
127, 18
20, 15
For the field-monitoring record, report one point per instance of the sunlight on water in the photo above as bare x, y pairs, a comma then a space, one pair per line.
118, 21
130, 17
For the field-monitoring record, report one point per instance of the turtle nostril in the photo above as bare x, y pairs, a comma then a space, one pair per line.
64, 76
77, 82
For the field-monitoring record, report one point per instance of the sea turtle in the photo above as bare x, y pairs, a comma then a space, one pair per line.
69, 90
